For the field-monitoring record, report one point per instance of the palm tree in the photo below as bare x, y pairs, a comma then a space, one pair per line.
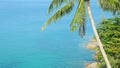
78, 20
110, 5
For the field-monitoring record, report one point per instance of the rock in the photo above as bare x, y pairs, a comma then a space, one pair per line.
91, 65
92, 44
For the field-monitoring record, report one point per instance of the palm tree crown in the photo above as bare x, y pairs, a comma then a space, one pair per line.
67, 6
110, 5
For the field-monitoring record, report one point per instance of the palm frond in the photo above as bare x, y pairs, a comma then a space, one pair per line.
55, 4
61, 12
110, 5
78, 20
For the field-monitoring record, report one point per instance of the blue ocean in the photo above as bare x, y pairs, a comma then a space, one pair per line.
24, 45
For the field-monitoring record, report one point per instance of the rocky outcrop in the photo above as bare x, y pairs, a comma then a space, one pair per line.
92, 45
91, 65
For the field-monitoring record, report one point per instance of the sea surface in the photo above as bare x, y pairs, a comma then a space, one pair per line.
23, 45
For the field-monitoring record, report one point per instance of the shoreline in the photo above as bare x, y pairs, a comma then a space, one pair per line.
92, 44
91, 65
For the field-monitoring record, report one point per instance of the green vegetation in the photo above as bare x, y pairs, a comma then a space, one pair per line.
78, 22
109, 32
110, 5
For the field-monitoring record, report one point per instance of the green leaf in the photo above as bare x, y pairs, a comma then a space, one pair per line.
61, 12
78, 20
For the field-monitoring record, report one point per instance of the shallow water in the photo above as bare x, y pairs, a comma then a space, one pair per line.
23, 45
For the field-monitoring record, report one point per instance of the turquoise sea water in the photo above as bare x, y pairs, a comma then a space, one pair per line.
23, 45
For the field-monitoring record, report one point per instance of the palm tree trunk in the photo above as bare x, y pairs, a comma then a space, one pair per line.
97, 36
